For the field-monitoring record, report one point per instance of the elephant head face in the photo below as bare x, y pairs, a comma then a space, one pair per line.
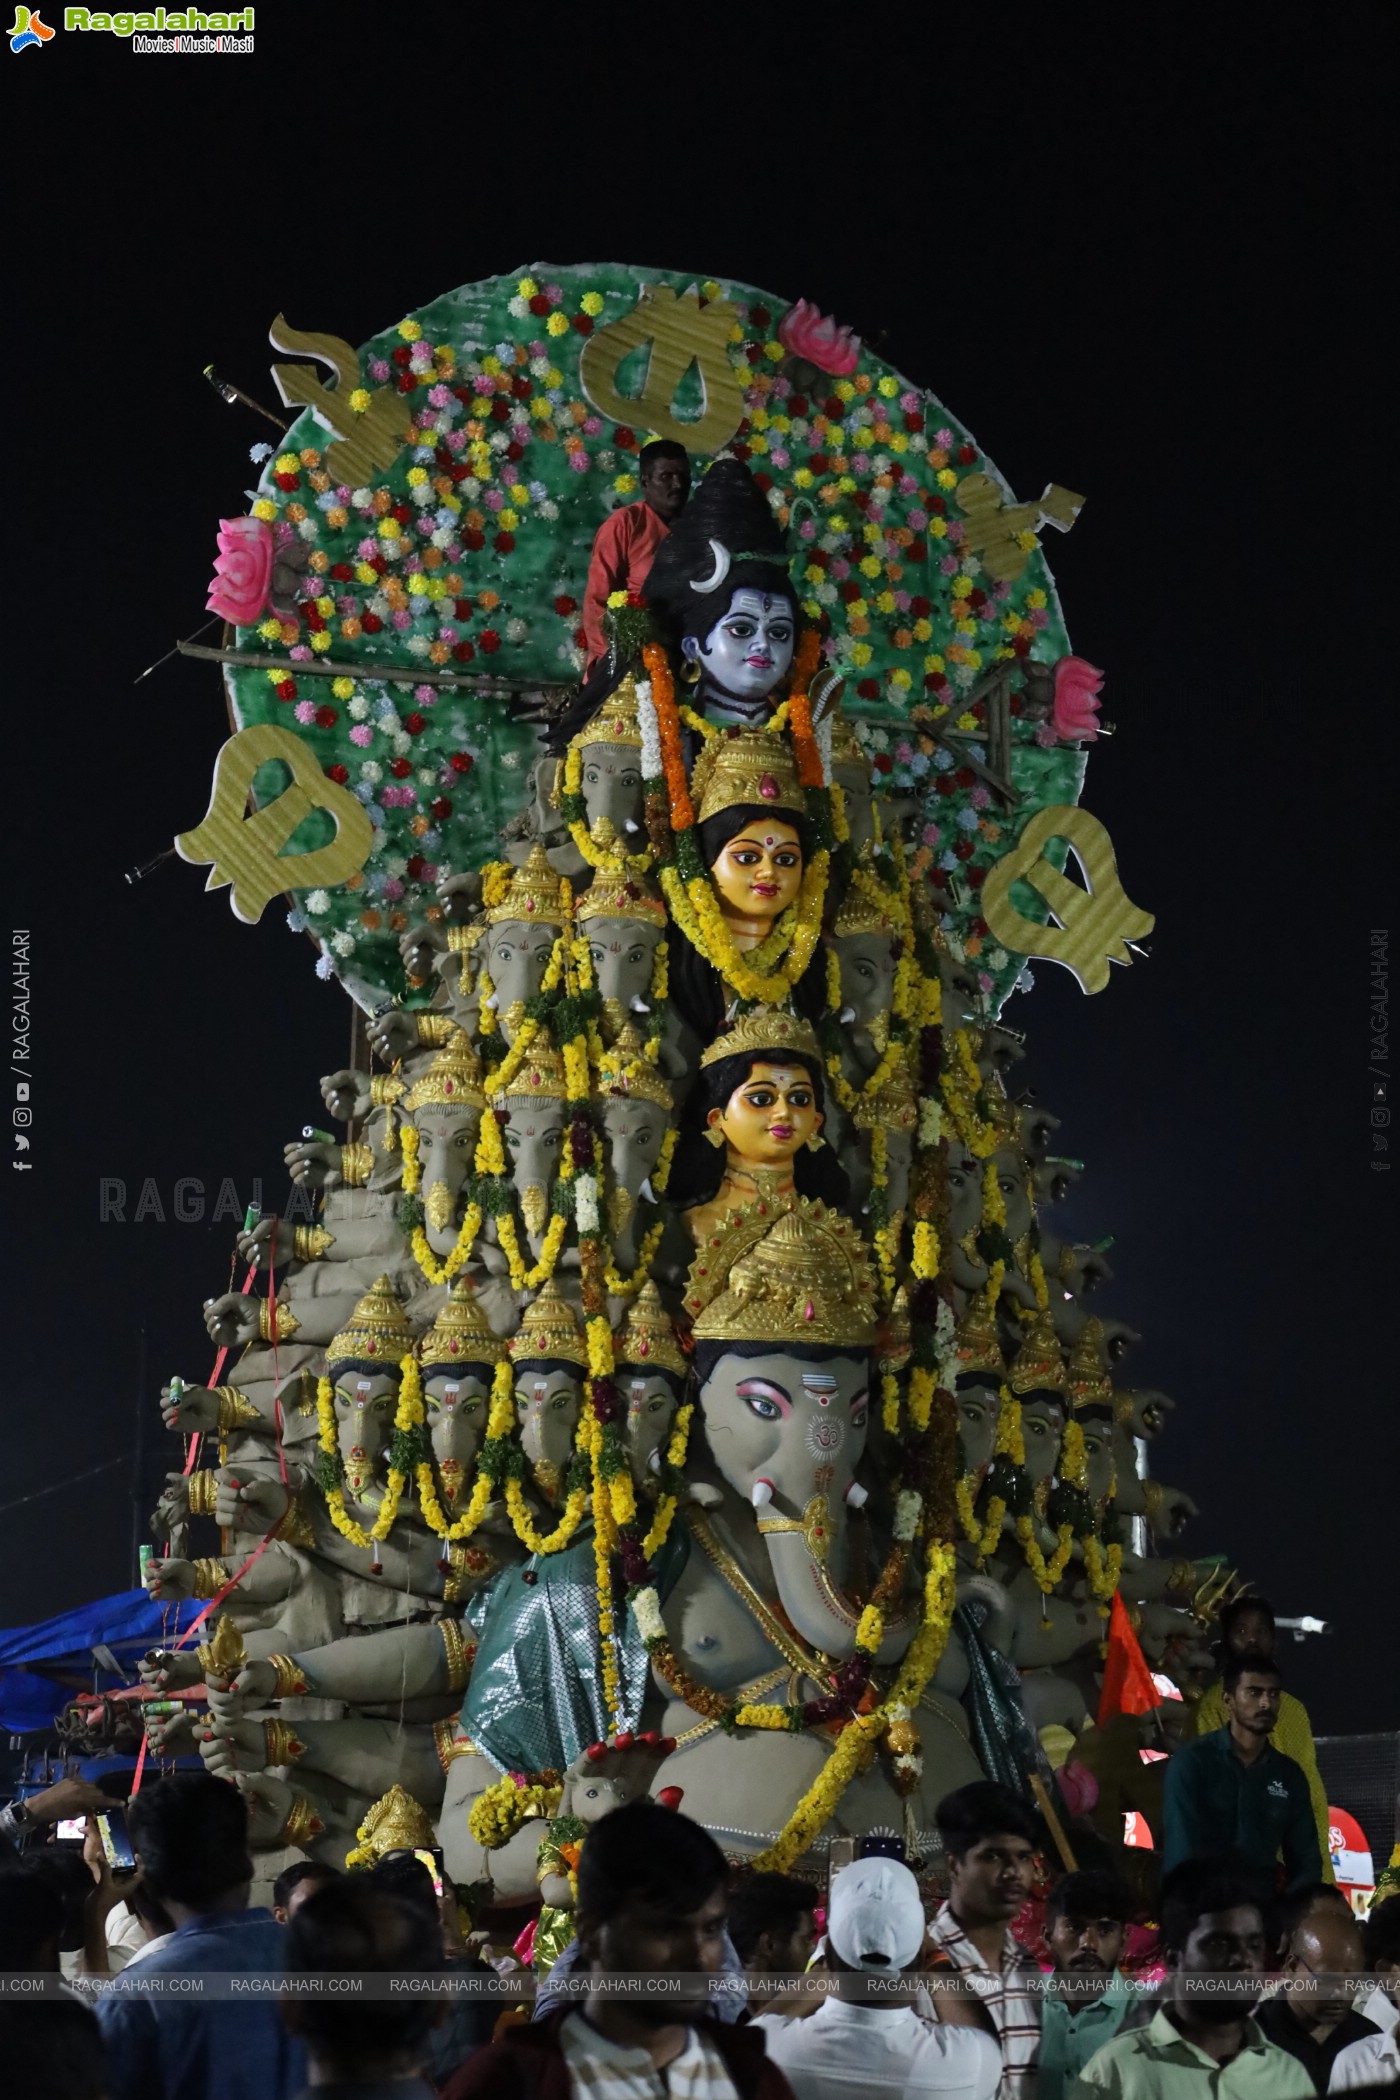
787, 1427
517, 956
623, 953
455, 1406
1013, 1179
365, 1406
612, 785
1042, 1426
548, 1399
651, 1403
1100, 1463
447, 1136
978, 1408
533, 1135
866, 963
964, 1189
634, 1131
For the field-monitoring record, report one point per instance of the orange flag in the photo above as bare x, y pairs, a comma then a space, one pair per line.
1127, 1681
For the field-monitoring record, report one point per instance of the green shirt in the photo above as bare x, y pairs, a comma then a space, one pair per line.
1068, 2038
1158, 2063
1215, 1805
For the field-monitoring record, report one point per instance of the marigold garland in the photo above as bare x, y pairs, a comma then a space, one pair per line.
499, 1423
408, 1417
500, 1809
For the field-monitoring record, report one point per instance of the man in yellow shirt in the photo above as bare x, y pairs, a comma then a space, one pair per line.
1247, 1624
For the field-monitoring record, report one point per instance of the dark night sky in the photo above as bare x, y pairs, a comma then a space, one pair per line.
1147, 271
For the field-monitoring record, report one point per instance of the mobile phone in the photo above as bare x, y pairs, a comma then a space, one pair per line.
433, 1862
71, 1830
116, 1842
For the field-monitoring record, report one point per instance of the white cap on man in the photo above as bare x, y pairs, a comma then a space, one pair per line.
875, 1919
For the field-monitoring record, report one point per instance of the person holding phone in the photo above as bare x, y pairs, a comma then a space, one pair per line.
64, 1801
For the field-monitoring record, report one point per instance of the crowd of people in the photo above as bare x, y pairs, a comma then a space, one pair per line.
687, 1980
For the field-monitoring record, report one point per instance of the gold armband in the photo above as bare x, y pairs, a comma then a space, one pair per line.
356, 1163
223, 1654
236, 1410
297, 1527
210, 1577
435, 1029
449, 1744
284, 1746
302, 1823
468, 1565
311, 1242
287, 1322
460, 1654
1151, 1497
385, 1089
202, 1488
288, 1681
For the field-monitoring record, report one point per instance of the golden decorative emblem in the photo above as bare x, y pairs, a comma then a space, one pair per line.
681, 333
366, 443
247, 850
814, 1525
997, 532
1095, 923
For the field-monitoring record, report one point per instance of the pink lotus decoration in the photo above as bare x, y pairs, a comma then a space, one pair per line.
1075, 714
807, 333
242, 570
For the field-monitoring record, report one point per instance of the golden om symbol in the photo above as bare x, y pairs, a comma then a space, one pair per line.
682, 333
247, 850
1095, 922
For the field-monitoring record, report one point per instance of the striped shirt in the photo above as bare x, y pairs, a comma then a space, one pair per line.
604, 2070
1006, 1993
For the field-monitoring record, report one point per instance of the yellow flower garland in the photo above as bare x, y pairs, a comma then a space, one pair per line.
407, 1415
668, 1504
460, 1252
966, 1496
521, 1278
620, 1286
500, 1810
1046, 1573
582, 833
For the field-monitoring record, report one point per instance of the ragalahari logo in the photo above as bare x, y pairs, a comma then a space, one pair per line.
28, 30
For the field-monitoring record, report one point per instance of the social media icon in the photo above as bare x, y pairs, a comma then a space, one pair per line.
21, 1143
21, 1090
24, 1116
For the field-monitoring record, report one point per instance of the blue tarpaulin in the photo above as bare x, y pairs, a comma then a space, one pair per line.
128, 1624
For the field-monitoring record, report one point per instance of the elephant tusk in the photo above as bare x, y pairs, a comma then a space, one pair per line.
654, 1462
639, 1004
646, 1191
630, 824
857, 1496
490, 1001
761, 1494
705, 584
848, 1013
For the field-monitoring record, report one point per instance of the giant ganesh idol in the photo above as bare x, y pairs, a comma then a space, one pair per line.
687, 1379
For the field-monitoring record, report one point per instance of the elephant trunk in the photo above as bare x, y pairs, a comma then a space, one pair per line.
799, 1555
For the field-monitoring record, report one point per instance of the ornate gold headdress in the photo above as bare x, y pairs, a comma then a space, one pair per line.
896, 1106
859, 914
452, 1079
535, 894
1038, 1366
616, 720
461, 1333
978, 1344
769, 1029
753, 766
614, 894
550, 1328
623, 1069
648, 1338
1088, 1379
396, 1823
846, 746
378, 1329
539, 1076
806, 1279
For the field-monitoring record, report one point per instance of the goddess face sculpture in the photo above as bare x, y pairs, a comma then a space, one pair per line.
749, 649
758, 874
768, 1118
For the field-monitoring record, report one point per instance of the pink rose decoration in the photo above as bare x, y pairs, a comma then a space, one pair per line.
807, 333
242, 570
1075, 715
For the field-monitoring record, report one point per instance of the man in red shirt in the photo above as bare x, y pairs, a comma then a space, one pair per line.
625, 544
